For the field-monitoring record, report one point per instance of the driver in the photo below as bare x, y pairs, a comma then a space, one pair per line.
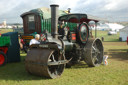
35, 40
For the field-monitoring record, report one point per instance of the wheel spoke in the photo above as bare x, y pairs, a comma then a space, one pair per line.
93, 47
53, 58
95, 59
56, 72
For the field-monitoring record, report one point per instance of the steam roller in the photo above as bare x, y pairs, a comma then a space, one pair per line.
50, 57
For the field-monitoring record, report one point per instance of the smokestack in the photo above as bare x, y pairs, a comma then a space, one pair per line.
54, 20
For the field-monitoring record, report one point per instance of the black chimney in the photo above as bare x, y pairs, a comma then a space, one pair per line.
54, 20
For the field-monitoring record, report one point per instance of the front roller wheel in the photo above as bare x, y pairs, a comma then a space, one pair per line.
44, 62
93, 52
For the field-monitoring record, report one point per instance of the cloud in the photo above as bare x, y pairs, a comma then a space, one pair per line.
6, 5
12, 9
66, 3
115, 5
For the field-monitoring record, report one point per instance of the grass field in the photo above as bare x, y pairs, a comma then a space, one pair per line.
108, 38
5, 30
116, 73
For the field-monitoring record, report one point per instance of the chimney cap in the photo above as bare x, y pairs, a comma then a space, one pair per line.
52, 5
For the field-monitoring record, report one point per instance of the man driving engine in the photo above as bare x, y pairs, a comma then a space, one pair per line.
35, 40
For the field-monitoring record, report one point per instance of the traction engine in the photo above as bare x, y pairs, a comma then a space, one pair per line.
67, 44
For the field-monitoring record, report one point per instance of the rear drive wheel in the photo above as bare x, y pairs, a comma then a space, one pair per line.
3, 58
94, 52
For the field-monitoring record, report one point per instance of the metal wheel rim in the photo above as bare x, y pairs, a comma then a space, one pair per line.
57, 70
96, 53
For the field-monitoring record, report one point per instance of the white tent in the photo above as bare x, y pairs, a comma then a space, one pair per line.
109, 26
115, 26
103, 27
124, 33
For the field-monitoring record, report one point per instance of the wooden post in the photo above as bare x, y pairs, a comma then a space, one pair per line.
95, 29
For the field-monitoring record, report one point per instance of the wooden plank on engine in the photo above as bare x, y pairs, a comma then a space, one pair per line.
27, 37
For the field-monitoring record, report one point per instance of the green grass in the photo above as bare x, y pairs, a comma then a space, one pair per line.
107, 37
115, 73
5, 30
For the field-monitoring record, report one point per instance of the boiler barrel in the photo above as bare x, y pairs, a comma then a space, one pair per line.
68, 46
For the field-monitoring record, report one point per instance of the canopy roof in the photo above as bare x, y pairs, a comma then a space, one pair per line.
97, 18
46, 12
77, 18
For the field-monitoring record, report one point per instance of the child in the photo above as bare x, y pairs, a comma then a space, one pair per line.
105, 62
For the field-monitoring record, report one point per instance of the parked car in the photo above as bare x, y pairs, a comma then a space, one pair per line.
112, 33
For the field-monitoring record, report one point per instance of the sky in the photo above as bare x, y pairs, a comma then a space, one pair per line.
112, 10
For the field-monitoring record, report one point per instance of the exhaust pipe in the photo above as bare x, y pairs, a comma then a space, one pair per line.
54, 20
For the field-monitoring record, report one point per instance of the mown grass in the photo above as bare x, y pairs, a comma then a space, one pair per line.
5, 30
108, 38
116, 73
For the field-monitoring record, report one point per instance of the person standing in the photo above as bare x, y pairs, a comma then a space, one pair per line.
0, 34
127, 40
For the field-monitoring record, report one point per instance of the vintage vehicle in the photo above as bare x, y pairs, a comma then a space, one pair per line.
4, 43
9, 48
68, 41
112, 33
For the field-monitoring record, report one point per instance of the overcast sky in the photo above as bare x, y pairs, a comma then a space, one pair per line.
114, 10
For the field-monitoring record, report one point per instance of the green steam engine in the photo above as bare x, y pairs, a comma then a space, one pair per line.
68, 41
